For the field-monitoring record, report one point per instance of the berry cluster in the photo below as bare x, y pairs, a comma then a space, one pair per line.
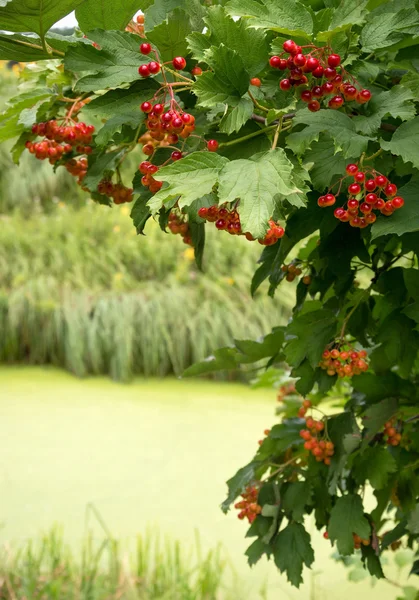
148, 170
358, 541
365, 196
249, 508
292, 271
321, 449
321, 69
288, 389
60, 139
229, 220
118, 192
391, 435
77, 167
165, 123
344, 361
178, 226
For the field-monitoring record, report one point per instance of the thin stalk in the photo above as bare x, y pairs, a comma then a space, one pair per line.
191, 81
247, 137
256, 103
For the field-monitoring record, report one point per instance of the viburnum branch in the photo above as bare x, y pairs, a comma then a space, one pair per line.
247, 137
256, 103
191, 81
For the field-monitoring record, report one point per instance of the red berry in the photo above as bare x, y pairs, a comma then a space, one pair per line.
179, 63
311, 64
275, 62
351, 169
354, 189
285, 85
144, 71
370, 218
300, 60
379, 204
143, 168
365, 208
339, 212
326, 535
153, 67
177, 123
221, 224
148, 149
350, 92
328, 88
306, 96
336, 102
317, 91
158, 109
390, 190
289, 46
363, 96
329, 73
359, 177
203, 212
371, 198
146, 107
329, 200
145, 48
196, 71
380, 180
318, 72
352, 204
314, 106
397, 202
333, 60
370, 185
255, 81
176, 155
212, 145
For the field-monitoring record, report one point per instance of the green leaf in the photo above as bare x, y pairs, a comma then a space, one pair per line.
285, 16
371, 557
378, 387
198, 239
249, 43
286, 434
98, 166
404, 220
121, 101
161, 11
390, 24
190, 178
404, 142
170, 36
337, 124
222, 359
115, 63
296, 496
309, 334
375, 464
413, 520
292, 550
37, 16
268, 346
11, 124
238, 483
375, 417
235, 118
140, 212
28, 48
323, 162
396, 103
346, 14
258, 183
228, 82
346, 518
399, 344
106, 14
256, 550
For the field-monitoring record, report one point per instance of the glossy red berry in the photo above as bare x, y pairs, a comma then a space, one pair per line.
300, 60
146, 107
359, 177
354, 189
379, 204
221, 224
306, 96
255, 81
333, 60
212, 145
203, 212
351, 169
350, 92
144, 71
365, 208
179, 63
176, 155
275, 61
370, 185
313, 106
380, 180
311, 64
339, 212
371, 198
318, 72
153, 67
328, 88
329, 73
188, 119
317, 91
390, 190
158, 109
196, 71
353, 204
145, 48
285, 85
329, 199
336, 102
397, 202
289, 46
364, 96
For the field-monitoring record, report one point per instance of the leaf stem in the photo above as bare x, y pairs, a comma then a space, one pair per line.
256, 103
277, 132
247, 137
191, 81
380, 151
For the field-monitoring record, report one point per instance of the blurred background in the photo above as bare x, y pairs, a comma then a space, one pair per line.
112, 468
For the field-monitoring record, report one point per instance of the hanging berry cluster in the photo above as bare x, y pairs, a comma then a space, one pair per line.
287, 389
77, 167
249, 508
344, 361
179, 226
229, 220
292, 271
320, 69
315, 440
60, 139
117, 191
148, 170
391, 435
165, 123
370, 191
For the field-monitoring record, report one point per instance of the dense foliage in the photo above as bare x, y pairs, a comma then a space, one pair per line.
308, 145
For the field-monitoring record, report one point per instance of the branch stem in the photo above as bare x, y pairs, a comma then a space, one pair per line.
247, 137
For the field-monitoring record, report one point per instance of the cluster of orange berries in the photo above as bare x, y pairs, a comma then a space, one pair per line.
391, 435
364, 197
229, 220
292, 271
178, 226
325, 71
288, 389
344, 362
165, 123
117, 191
77, 167
358, 541
249, 507
321, 449
60, 139
147, 169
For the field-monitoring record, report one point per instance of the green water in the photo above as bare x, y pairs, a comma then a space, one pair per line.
150, 453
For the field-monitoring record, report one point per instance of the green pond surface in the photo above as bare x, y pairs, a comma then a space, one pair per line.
152, 453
